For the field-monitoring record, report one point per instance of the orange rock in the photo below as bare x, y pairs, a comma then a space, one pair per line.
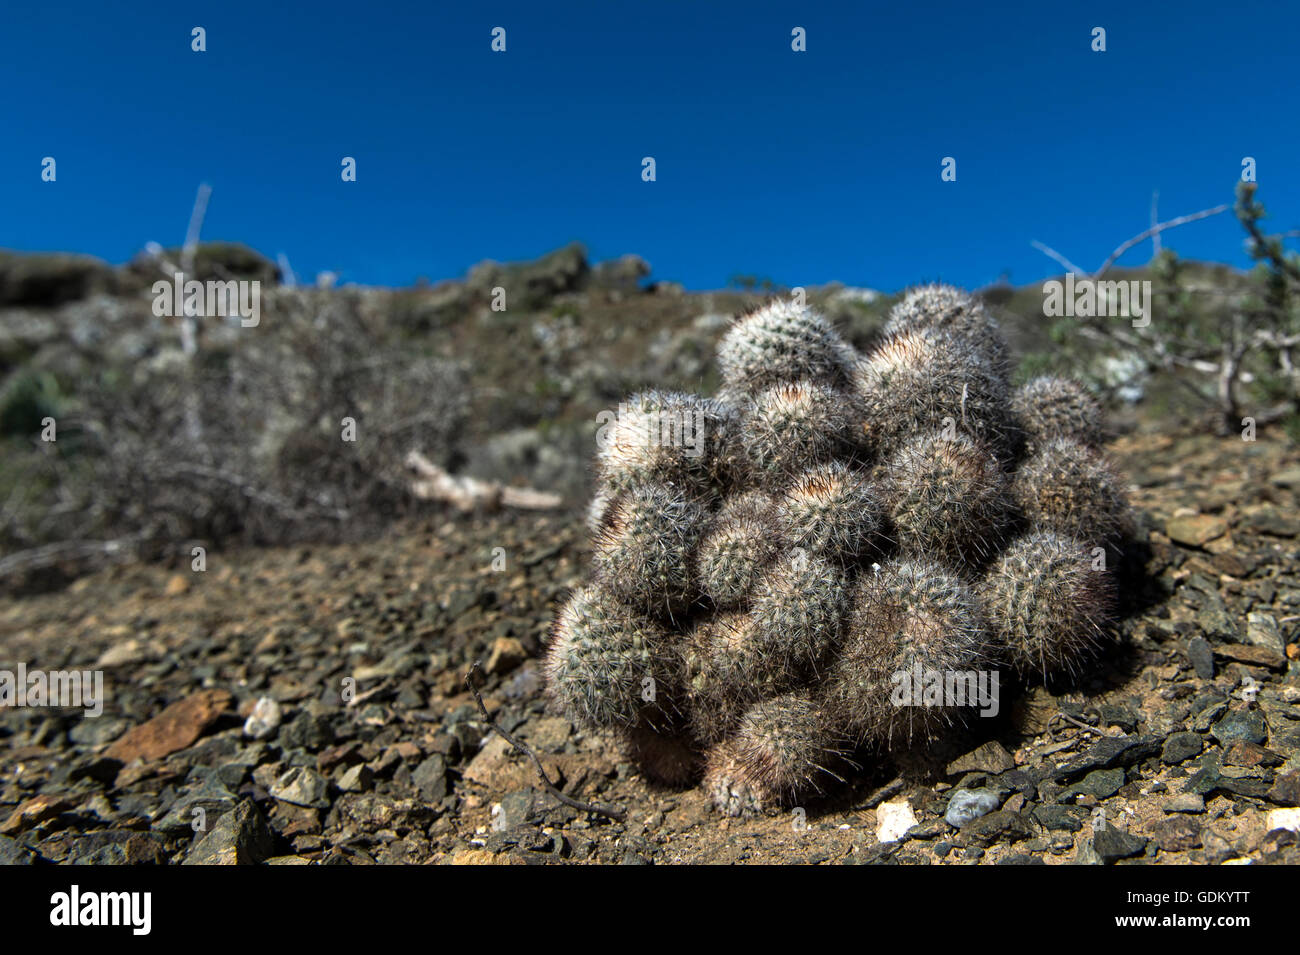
174, 729
33, 811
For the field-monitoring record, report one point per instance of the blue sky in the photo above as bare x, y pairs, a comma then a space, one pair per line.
803, 167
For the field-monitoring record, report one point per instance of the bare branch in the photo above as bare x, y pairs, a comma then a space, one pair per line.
467, 493
1053, 254
1156, 230
1123, 247
615, 814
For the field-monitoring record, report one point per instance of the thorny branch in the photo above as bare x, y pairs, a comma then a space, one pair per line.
614, 814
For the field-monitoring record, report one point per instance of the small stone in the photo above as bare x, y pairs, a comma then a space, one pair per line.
1185, 802
1201, 657
210, 797
1272, 521
1282, 819
430, 777
177, 584
309, 731
1180, 747
120, 654
515, 809
97, 732
1286, 789
1216, 847
240, 837
1113, 714
1262, 631
506, 654
893, 819
991, 758
1101, 783
1196, 530
549, 733
1243, 753
13, 852
1176, 834
1113, 843
1087, 855
175, 728
1108, 752
1289, 477
1252, 655
965, 805
302, 786
33, 812
999, 826
1242, 725
264, 720
1219, 625
1204, 719
357, 778
1057, 817
1205, 781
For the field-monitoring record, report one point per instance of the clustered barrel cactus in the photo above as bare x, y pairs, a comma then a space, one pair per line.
769, 562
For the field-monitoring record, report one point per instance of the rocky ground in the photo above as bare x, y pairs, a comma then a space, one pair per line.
307, 705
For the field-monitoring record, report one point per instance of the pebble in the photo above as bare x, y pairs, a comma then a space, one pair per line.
240, 837
1059, 818
1248, 726
1286, 789
1101, 783
1185, 802
893, 819
1112, 843
967, 804
302, 786
356, 779
175, 728
1262, 631
991, 758
430, 777
264, 720
1201, 657
1176, 833
1180, 747
506, 654
1252, 655
1282, 819
1195, 530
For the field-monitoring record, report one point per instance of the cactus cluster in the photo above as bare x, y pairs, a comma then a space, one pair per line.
764, 602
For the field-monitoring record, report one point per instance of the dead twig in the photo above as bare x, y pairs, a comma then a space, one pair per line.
468, 493
1061, 714
1156, 230
1123, 247
614, 814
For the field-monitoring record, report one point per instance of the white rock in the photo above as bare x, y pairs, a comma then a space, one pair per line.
264, 719
1282, 819
893, 819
